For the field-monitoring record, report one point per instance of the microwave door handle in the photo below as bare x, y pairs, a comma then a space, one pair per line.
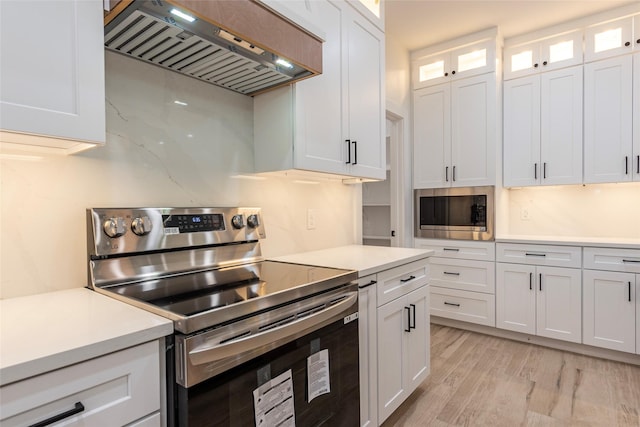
210, 352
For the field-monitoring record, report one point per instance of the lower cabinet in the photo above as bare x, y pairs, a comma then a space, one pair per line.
403, 348
121, 388
367, 324
610, 310
539, 300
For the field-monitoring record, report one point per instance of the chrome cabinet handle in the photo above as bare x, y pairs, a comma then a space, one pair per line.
79, 407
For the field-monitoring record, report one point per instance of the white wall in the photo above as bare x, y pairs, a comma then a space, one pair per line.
398, 102
158, 153
604, 210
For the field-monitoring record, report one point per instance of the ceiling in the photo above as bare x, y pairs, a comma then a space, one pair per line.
419, 23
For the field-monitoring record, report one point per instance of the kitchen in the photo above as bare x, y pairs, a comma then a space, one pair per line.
151, 158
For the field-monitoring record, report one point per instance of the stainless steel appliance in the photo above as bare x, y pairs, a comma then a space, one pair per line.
241, 323
465, 213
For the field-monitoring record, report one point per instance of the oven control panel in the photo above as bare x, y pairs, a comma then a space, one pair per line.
113, 231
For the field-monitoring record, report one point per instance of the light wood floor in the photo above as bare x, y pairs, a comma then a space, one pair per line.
479, 380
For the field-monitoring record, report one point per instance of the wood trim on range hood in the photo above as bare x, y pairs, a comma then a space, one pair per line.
253, 23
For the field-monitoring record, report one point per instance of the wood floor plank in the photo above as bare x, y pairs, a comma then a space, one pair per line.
477, 380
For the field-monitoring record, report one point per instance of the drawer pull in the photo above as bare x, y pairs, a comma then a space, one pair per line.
452, 303
79, 407
373, 282
451, 273
534, 254
407, 279
451, 249
631, 260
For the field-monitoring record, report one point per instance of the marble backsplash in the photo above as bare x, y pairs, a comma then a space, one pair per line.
171, 141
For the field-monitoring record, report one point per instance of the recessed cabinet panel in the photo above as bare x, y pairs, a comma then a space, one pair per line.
515, 297
609, 39
608, 120
559, 303
432, 136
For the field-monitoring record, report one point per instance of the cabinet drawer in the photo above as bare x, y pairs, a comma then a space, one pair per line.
398, 281
627, 260
466, 275
115, 389
473, 307
557, 256
461, 249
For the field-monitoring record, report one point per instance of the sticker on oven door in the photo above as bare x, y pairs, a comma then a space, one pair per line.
318, 381
273, 402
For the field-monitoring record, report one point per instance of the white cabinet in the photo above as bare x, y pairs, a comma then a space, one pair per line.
609, 39
403, 349
52, 92
333, 122
455, 133
116, 389
608, 145
543, 129
462, 280
611, 299
544, 301
558, 51
539, 290
636, 110
470, 60
368, 336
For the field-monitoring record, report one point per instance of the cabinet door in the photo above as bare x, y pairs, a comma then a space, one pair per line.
521, 60
365, 103
475, 59
561, 51
318, 112
473, 131
607, 119
367, 309
431, 70
418, 352
636, 109
608, 39
54, 85
522, 132
559, 303
393, 325
516, 297
561, 126
609, 310
432, 137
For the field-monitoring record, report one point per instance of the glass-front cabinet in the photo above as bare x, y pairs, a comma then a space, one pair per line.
609, 39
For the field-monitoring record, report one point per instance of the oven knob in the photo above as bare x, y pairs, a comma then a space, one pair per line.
253, 221
114, 227
237, 221
141, 225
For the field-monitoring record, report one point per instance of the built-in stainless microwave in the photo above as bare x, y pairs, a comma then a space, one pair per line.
465, 213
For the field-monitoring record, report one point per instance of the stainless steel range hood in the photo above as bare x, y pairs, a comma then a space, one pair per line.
181, 36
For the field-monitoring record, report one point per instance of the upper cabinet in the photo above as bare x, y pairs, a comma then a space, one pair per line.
334, 122
455, 122
610, 38
52, 96
469, 60
559, 51
543, 129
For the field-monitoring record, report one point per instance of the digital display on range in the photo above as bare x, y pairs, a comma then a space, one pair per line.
177, 224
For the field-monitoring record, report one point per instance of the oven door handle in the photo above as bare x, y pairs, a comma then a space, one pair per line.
210, 352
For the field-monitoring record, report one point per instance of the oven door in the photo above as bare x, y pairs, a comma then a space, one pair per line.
302, 359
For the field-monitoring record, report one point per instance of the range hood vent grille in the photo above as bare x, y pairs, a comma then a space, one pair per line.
154, 40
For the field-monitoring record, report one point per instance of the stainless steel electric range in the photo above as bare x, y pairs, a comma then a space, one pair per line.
247, 330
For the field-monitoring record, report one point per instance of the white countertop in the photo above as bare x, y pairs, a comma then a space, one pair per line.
600, 242
364, 259
43, 332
